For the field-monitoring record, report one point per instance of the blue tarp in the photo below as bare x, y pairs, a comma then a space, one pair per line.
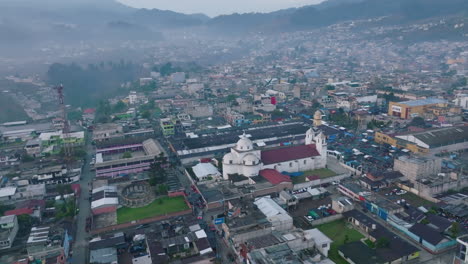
349, 134
292, 174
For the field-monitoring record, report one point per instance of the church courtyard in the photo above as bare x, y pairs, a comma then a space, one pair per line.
322, 173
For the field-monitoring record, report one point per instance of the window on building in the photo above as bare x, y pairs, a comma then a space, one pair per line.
324, 245
305, 161
290, 164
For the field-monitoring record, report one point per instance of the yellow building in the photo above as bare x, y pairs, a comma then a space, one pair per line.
411, 109
382, 138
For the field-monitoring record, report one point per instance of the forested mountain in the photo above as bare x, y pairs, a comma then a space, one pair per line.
87, 85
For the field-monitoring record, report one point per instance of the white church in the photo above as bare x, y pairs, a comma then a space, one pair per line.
245, 159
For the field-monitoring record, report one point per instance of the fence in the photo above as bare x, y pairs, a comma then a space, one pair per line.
327, 219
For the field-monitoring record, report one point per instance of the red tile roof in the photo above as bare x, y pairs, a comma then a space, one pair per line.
32, 204
274, 177
289, 153
89, 111
313, 177
21, 211
104, 210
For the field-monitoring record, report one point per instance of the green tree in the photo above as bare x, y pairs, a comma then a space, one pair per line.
329, 87
127, 155
455, 229
418, 122
231, 98
157, 171
25, 223
5, 207
103, 112
119, 107
63, 189
27, 158
146, 114
162, 189
382, 242
75, 115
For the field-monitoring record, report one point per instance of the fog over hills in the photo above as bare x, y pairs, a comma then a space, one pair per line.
28, 24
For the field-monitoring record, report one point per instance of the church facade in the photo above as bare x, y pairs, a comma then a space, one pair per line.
245, 159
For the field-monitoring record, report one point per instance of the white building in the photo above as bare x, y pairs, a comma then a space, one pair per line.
461, 100
178, 77
8, 230
246, 160
277, 216
132, 97
205, 171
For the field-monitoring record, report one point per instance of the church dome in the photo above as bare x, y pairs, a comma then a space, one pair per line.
229, 158
250, 160
244, 144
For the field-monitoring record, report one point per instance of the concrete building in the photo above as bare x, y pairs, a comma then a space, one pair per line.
461, 256
48, 243
411, 109
462, 101
8, 230
110, 161
103, 132
132, 97
178, 77
417, 167
167, 126
104, 200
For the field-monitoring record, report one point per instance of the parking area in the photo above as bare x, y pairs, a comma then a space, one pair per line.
304, 206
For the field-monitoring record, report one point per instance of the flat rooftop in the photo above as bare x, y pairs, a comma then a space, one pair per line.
223, 137
420, 102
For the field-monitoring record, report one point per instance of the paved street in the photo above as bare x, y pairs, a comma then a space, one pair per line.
80, 246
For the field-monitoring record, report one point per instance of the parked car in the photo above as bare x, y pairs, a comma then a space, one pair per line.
142, 226
401, 192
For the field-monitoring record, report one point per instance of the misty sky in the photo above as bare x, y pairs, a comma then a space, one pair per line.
217, 7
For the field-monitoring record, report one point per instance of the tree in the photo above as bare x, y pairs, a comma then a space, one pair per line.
146, 114
382, 242
5, 207
157, 171
64, 189
75, 115
27, 158
127, 155
25, 222
66, 209
231, 98
162, 189
418, 122
329, 87
455, 229
119, 107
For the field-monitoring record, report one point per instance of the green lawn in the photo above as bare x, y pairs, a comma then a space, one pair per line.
337, 231
417, 201
322, 173
160, 206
